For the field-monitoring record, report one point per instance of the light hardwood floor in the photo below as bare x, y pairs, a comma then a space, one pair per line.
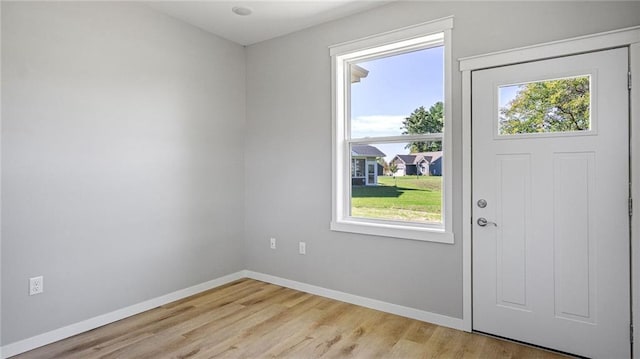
252, 319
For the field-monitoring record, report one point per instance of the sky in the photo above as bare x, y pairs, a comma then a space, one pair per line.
393, 89
507, 93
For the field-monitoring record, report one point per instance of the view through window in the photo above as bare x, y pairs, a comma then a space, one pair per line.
560, 105
394, 97
391, 112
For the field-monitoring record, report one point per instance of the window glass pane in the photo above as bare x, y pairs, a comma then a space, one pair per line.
561, 105
399, 94
398, 183
357, 167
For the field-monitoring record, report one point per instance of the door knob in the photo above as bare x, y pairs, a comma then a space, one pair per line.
482, 222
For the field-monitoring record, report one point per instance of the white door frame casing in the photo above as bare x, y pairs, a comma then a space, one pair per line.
618, 38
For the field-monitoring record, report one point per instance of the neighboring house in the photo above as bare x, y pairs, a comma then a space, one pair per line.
422, 163
364, 165
405, 165
431, 163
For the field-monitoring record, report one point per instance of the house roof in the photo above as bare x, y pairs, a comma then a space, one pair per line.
407, 159
366, 150
358, 73
428, 156
418, 157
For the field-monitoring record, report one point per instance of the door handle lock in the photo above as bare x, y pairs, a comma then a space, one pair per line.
482, 222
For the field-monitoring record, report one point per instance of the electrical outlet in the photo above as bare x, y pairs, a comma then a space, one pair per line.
36, 285
302, 248
272, 243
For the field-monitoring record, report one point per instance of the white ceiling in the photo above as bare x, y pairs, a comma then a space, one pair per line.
269, 18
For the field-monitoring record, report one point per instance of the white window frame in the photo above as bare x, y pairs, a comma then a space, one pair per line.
425, 35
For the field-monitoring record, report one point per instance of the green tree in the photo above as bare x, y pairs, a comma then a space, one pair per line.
393, 168
548, 106
422, 121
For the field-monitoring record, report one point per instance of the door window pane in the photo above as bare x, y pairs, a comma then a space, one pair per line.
561, 105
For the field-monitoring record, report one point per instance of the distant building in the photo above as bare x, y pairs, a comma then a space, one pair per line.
418, 164
364, 165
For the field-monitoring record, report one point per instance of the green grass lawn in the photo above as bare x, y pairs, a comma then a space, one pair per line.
405, 198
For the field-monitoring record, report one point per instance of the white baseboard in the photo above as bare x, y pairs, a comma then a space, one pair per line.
95, 322
400, 310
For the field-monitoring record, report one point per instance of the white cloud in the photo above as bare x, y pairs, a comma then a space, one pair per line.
379, 125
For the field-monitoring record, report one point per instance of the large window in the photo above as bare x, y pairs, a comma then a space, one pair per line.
391, 153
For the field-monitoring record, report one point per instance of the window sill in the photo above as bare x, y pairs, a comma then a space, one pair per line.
395, 231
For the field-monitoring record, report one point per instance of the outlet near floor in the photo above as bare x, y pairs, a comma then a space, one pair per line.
36, 285
302, 248
272, 243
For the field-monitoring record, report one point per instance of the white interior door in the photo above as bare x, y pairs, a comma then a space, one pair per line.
554, 270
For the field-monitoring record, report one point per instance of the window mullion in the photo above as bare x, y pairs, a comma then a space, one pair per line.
392, 139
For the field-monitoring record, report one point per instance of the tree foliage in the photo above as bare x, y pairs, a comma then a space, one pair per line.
425, 121
548, 106
393, 168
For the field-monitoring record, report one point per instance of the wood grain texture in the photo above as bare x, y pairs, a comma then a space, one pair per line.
252, 319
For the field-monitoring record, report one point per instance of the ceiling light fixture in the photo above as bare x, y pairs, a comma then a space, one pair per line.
241, 10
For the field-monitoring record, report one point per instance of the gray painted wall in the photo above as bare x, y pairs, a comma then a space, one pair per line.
289, 121
122, 130
118, 125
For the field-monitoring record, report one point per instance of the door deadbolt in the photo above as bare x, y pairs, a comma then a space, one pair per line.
482, 203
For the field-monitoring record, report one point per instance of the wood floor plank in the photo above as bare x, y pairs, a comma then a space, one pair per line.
472, 345
303, 343
420, 332
406, 349
253, 319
